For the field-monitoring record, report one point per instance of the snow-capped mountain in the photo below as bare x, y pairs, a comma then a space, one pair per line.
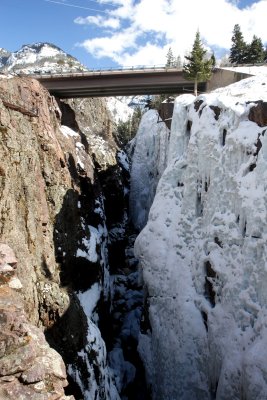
38, 57
49, 58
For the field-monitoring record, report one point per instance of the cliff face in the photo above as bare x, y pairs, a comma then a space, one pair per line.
29, 367
203, 251
54, 170
34, 181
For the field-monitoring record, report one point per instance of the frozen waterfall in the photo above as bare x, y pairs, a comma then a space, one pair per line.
203, 249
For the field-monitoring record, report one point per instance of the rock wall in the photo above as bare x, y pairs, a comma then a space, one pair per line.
53, 171
203, 251
29, 367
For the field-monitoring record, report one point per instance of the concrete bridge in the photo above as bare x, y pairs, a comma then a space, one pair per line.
130, 82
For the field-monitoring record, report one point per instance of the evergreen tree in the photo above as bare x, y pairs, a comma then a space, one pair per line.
238, 51
136, 118
179, 63
198, 69
127, 130
255, 52
213, 60
170, 62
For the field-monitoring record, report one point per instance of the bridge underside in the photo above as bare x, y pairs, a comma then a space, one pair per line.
132, 82
118, 84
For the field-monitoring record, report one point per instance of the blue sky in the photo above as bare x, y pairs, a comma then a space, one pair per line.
103, 33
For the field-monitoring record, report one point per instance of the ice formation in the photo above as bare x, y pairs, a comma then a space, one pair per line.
148, 163
203, 250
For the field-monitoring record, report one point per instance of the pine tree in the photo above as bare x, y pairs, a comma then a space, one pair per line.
238, 51
170, 62
255, 52
179, 63
213, 60
126, 130
198, 68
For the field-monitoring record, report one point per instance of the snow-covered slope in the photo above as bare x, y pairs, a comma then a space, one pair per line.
203, 251
119, 108
39, 57
252, 69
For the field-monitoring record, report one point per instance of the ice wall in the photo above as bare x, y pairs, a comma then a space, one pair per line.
148, 164
203, 251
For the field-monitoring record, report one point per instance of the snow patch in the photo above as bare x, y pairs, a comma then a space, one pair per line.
120, 110
68, 132
89, 299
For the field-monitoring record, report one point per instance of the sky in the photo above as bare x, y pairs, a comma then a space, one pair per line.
109, 33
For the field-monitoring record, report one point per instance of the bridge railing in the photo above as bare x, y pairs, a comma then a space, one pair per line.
131, 68
99, 71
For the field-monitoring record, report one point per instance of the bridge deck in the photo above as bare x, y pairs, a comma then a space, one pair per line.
118, 83
131, 82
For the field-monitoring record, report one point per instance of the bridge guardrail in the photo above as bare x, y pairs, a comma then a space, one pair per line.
99, 71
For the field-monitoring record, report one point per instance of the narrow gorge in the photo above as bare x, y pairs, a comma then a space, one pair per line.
64, 212
140, 280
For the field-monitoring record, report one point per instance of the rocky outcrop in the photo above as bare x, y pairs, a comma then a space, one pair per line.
29, 367
34, 180
258, 113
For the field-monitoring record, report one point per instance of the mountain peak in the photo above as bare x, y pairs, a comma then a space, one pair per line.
42, 57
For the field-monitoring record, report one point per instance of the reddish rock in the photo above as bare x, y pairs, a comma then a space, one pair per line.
7, 255
258, 113
29, 368
43, 178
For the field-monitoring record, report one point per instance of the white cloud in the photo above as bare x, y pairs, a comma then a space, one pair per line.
111, 46
98, 20
125, 10
148, 55
171, 23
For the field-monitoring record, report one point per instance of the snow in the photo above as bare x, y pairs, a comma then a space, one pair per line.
119, 109
90, 244
68, 132
48, 51
2, 76
203, 249
252, 69
101, 377
89, 299
101, 381
40, 58
123, 160
250, 89
101, 150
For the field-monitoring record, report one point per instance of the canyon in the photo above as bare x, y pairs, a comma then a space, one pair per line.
141, 279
